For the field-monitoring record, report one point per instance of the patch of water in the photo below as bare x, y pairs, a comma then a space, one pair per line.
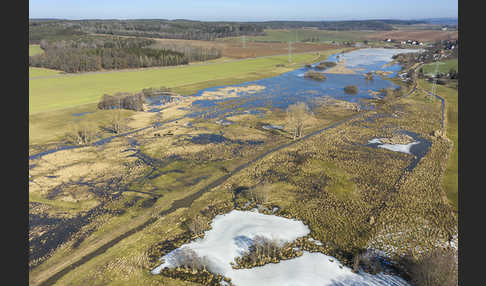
270, 127
418, 148
81, 113
291, 87
215, 138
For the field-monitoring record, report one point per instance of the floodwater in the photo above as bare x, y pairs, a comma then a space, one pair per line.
418, 148
81, 113
288, 88
291, 87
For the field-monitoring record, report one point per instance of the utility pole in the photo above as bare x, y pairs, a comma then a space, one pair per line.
290, 51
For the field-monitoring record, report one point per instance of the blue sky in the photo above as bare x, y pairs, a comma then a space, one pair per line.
243, 10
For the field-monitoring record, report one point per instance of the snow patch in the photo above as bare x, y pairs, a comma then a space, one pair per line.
404, 148
233, 233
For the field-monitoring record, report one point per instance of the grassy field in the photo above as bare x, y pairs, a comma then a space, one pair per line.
35, 72
72, 90
49, 127
450, 180
444, 66
300, 35
35, 50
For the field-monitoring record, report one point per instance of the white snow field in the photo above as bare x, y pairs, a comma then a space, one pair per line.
404, 148
232, 234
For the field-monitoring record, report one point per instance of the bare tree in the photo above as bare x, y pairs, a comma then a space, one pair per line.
261, 193
116, 121
296, 115
197, 225
436, 268
82, 133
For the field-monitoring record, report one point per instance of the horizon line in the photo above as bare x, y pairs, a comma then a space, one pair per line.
279, 20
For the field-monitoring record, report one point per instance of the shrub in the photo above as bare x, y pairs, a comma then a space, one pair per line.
82, 133
324, 65
315, 75
436, 268
188, 258
351, 89
122, 100
197, 225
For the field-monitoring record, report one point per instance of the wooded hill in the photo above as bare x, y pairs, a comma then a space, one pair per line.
88, 53
170, 29
192, 30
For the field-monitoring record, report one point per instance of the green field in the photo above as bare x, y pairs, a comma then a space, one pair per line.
301, 35
444, 66
35, 72
450, 181
47, 94
35, 50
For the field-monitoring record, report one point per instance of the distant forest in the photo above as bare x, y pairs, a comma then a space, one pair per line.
174, 29
190, 30
70, 46
378, 25
90, 53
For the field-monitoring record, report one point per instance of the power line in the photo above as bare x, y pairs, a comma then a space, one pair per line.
290, 51
434, 84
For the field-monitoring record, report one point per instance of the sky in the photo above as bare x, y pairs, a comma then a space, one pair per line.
243, 10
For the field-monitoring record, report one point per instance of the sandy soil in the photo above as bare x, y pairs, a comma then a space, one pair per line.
340, 68
231, 91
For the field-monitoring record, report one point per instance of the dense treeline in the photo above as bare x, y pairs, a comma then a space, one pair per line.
89, 53
170, 29
52, 30
73, 60
192, 52
176, 29
339, 25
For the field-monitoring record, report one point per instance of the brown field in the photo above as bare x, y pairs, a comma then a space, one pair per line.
260, 49
251, 49
419, 35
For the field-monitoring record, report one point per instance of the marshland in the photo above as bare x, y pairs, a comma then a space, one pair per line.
237, 171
